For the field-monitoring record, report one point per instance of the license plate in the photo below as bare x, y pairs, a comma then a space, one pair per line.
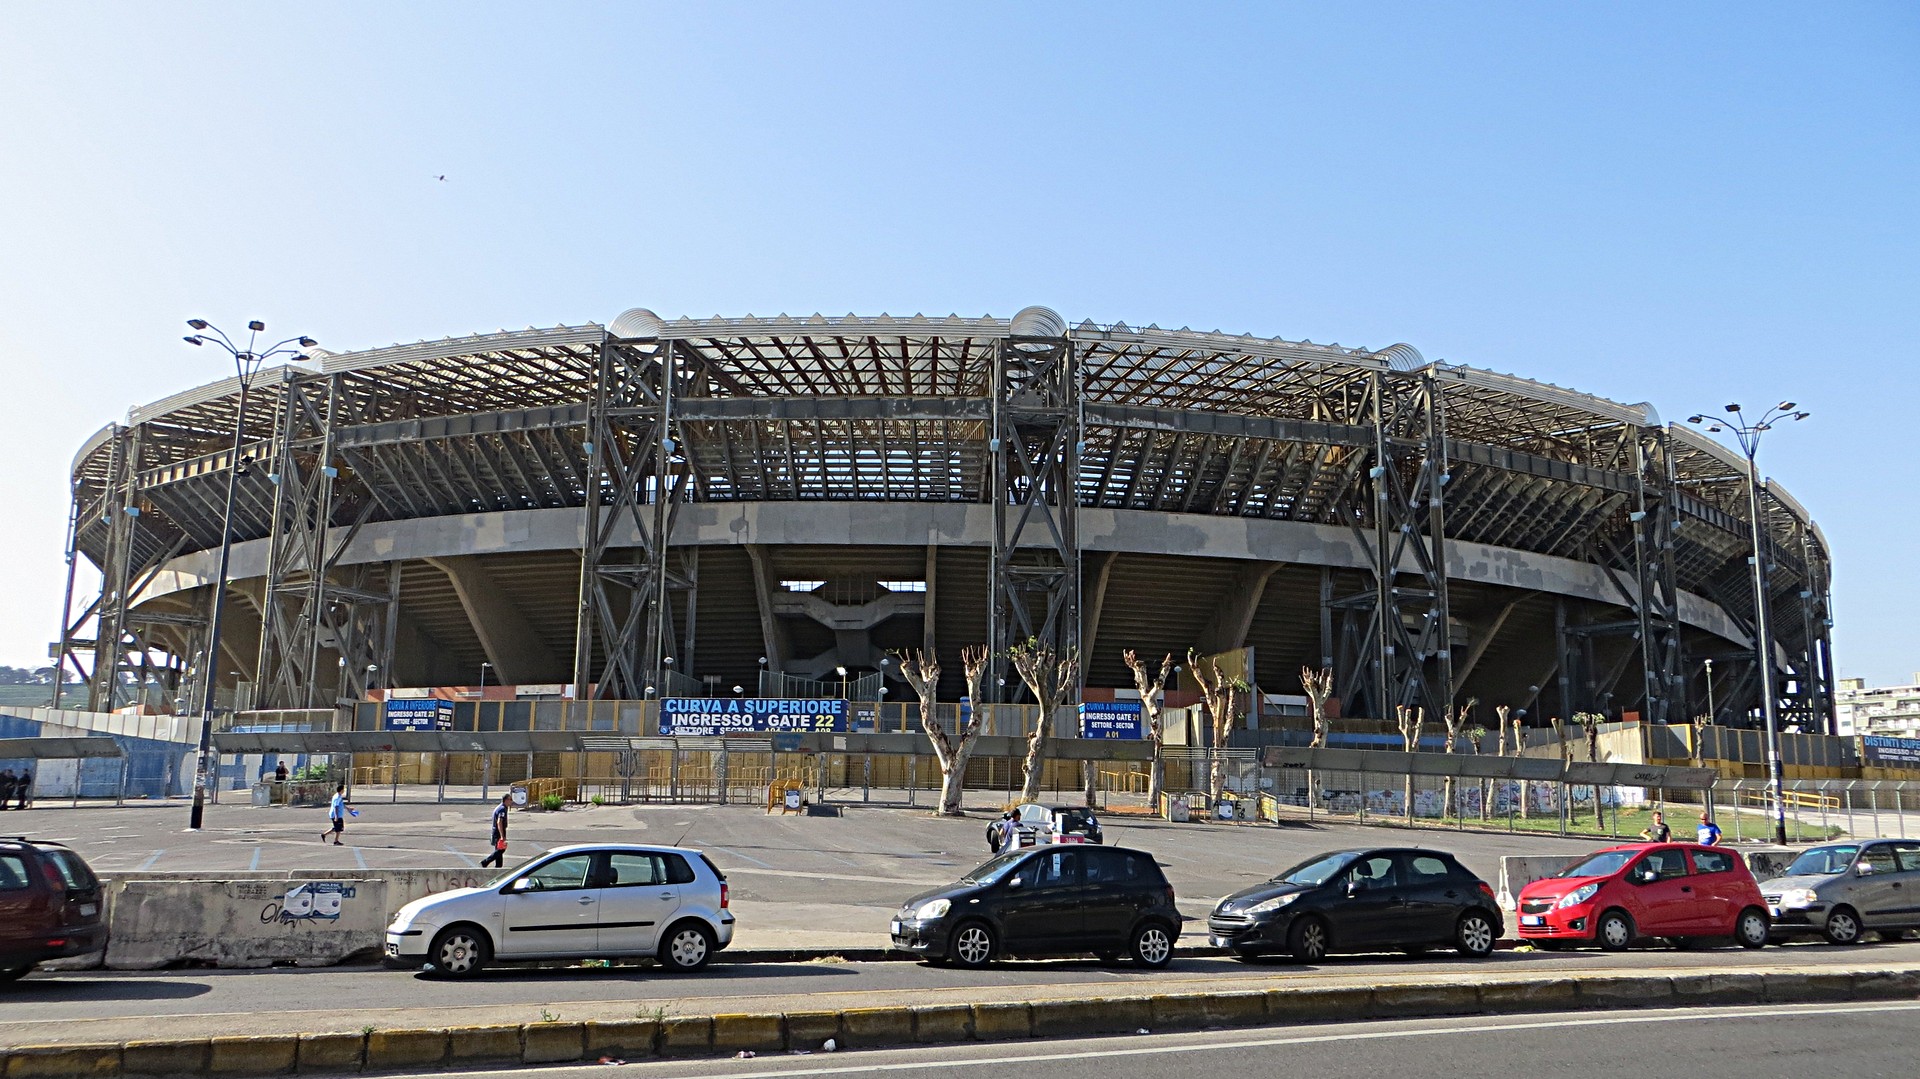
88, 910
1533, 919
1218, 942
893, 927
1775, 911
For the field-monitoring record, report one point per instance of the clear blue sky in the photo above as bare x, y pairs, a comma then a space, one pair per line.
1686, 204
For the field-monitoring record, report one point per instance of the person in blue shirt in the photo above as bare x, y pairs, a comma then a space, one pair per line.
337, 814
1709, 832
498, 841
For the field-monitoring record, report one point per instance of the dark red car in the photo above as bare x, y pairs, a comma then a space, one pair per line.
1615, 896
50, 905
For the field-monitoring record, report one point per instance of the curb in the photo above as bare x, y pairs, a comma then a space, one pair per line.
872, 1028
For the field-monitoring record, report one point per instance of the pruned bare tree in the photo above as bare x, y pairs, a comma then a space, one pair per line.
1519, 725
1455, 719
1411, 720
1319, 689
1590, 727
1151, 704
1225, 698
950, 748
1476, 736
1050, 675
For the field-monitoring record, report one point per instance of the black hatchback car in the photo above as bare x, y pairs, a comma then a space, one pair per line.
1361, 901
1049, 900
50, 905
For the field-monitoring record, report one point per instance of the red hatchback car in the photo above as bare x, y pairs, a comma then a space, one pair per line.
1617, 895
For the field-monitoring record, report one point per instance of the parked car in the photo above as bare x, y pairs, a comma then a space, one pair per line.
1038, 824
1843, 890
612, 901
1614, 896
1363, 900
50, 905
1049, 900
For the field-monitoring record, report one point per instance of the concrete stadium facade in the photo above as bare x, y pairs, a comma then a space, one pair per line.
682, 506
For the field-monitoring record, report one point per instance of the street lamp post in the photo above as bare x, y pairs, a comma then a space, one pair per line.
1748, 434
246, 363
1710, 715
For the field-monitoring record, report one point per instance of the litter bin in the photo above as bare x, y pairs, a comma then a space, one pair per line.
263, 793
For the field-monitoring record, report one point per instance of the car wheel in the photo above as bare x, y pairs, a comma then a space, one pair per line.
1474, 935
1152, 945
14, 974
458, 951
1843, 926
687, 947
972, 945
1307, 940
1751, 929
1614, 931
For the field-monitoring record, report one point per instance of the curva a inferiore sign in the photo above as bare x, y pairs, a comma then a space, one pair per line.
730, 715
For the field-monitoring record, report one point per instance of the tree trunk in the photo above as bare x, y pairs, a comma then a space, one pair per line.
1156, 777
1036, 758
953, 778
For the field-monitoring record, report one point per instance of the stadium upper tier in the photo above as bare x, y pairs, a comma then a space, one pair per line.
874, 410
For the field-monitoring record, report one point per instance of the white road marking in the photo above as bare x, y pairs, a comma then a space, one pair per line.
149, 862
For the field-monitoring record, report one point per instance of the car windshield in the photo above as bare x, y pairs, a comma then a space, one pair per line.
1604, 864
1823, 861
500, 879
1074, 818
991, 870
1314, 871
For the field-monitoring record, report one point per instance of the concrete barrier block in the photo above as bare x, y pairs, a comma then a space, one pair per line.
1516, 872
337, 1052
1887, 984
1410, 1000
756, 1033
62, 1061
185, 1057
483, 1045
1789, 987
1647, 992
243, 923
868, 1027
1180, 1011
998, 1022
1507, 998
1317, 1005
686, 1035
262, 1055
943, 1023
1719, 988
623, 1039
808, 1030
400, 1050
1071, 1018
553, 1043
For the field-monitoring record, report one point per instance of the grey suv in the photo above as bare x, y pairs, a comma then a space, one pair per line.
1841, 890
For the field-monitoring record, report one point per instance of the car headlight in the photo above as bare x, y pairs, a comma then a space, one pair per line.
1798, 897
934, 909
1578, 895
1268, 906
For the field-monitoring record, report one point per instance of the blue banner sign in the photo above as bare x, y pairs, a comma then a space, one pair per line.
729, 715
426, 714
1879, 751
1111, 719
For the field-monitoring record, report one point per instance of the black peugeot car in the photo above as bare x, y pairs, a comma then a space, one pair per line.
1046, 901
1361, 901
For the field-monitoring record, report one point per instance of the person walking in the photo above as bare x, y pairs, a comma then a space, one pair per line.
1009, 833
1709, 832
337, 814
497, 844
1657, 832
6, 787
23, 788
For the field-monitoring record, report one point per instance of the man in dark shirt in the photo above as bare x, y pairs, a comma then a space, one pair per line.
23, 787
6, 787
497, 855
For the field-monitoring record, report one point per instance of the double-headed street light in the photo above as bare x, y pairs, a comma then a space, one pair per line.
1748, 434
247, 361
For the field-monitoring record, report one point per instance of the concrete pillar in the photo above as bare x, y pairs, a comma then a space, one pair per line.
510, 641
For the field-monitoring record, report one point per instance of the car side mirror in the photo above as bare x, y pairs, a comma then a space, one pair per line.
1015, 882
1354, 888
1863, 870
524, 884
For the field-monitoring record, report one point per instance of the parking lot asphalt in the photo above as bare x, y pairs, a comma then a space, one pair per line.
798, 881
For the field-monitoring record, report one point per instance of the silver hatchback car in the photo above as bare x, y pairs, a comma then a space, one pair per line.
602, 901
1843, 890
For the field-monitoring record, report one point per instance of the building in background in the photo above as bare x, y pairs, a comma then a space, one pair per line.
1893, 711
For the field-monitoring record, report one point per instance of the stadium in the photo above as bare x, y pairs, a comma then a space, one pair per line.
771, 506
